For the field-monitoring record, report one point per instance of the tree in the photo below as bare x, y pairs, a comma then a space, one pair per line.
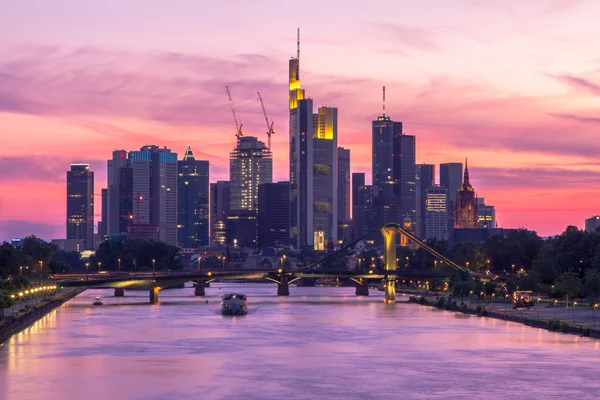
462, 289
568, 284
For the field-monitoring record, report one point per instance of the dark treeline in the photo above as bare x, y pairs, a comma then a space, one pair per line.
563, 265
36, 259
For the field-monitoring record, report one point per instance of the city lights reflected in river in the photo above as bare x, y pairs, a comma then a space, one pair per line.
318, 343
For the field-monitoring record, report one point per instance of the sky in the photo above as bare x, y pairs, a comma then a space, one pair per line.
513, 86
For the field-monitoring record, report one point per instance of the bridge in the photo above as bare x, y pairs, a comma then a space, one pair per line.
154, 282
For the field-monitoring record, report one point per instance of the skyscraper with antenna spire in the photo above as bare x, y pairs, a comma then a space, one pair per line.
301, 157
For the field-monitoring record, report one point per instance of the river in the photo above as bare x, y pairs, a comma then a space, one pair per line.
318, 343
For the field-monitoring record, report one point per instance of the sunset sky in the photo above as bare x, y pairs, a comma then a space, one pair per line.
514, 86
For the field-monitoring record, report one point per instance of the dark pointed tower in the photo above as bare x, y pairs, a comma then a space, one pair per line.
465, 215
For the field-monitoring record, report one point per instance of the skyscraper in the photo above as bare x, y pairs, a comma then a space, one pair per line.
393, 168
80, 204
451, 175
343, 174
425, 179
486, 214
274, 214
404, 176
103, 223
436, 208
154, 191
358, 204
119, 195
250, 164
325, 167
219, 206
465, 215
192, 204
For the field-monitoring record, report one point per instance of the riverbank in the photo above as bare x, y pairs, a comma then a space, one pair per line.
574, 320
25, 317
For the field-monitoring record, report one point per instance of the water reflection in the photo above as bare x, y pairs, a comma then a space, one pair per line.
317, 343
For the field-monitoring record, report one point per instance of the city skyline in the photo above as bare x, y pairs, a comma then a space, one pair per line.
493, 103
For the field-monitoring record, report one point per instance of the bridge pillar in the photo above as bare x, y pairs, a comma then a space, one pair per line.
154, 295
389, 241
119, 292
283, 288
362, 289
199, 289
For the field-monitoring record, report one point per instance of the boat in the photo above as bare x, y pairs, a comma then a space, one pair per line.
234, 304
97, 302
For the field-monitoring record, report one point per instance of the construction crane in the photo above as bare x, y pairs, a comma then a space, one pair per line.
238, 127
270, 127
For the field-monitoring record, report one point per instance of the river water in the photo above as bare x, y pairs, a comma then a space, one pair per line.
318, 343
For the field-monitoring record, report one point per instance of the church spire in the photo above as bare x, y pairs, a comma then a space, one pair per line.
466, 177
189, 154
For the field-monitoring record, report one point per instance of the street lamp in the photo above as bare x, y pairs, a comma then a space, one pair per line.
467, 265
513, 268
87, 265
283, 261
406, 263
119, 260
153, 264
41, 267
223, 268
21, 270
99, 265
435, 263
594, 313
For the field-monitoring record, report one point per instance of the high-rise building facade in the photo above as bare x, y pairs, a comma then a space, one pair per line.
80, 204
274, 214
451, 176
325, 168
301, 158
154, 192
425, 179
301, 174
241, 228
592, 223
343, 174
192, 204
119, 194
465, 214
486, 214
358, 204
404, 177
382, 161
436, 208
219, 207
250, 164
103, 224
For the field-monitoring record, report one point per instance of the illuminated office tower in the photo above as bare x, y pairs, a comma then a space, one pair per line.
192, 203
301, 158
250, 164
425, 179
436, 209
325, 180
80, 204
219, 207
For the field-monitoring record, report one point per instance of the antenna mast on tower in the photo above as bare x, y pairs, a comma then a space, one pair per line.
384, 101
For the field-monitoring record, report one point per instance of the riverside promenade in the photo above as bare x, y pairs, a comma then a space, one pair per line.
573, 318
24, 313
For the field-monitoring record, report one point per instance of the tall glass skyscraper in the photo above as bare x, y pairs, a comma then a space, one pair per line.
192, 204
80, 204
250, 164
343, 184
325, 167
